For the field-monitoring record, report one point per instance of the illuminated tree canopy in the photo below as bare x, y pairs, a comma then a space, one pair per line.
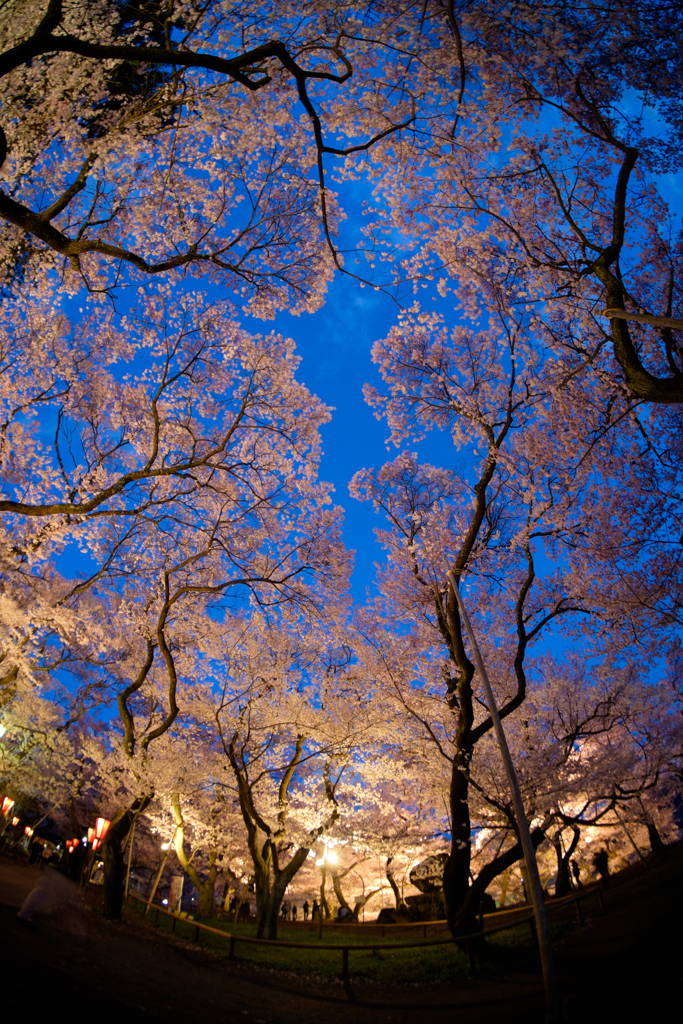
179, 641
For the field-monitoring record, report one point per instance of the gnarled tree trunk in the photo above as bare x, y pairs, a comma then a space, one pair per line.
563, 884
112, 855
466, 920
394, 885
206, 888
359, 903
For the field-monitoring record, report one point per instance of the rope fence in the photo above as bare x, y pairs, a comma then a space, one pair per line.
467, 940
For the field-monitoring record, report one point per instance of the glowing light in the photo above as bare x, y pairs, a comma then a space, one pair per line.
101, 828
3, 730
15, 821
165, 846
7, 805
165, 902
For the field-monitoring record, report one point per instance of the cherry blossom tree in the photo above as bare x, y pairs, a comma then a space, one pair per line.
594, 741
514, 145
534, 488
286, 735
185, 486
183, 135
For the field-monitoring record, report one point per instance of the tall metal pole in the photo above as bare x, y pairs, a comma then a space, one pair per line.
131, 835
161, 871
540, 916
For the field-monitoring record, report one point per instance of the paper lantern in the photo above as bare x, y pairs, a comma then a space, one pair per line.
101, 828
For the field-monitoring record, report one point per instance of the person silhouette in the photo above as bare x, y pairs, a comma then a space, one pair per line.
601, 864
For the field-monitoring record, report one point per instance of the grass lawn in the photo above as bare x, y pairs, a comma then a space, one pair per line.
423, 964
426, 964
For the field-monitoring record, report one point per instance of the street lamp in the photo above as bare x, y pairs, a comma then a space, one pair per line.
328, 857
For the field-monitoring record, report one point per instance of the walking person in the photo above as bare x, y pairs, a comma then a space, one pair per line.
305, 910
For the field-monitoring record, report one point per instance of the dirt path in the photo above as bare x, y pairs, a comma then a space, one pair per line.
615, 968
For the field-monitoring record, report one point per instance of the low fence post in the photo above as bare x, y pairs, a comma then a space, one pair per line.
345, 964
231, 948
602, 902
196, 934
579, 911
470, 957
173, 923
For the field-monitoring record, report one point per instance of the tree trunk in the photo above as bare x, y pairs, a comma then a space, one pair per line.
112, 855
336, 885
563, 885
563, 882
206, 891
74, 819
269, 908
456, 874
205, 887
656, 842
262, 908
324, 905
113, 878
266, 927
394, 885
466, 921
362, 902
504, 888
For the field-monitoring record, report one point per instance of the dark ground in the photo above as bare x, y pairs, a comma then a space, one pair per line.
80, 967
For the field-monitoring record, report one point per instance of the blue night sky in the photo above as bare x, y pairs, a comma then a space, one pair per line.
335, 346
